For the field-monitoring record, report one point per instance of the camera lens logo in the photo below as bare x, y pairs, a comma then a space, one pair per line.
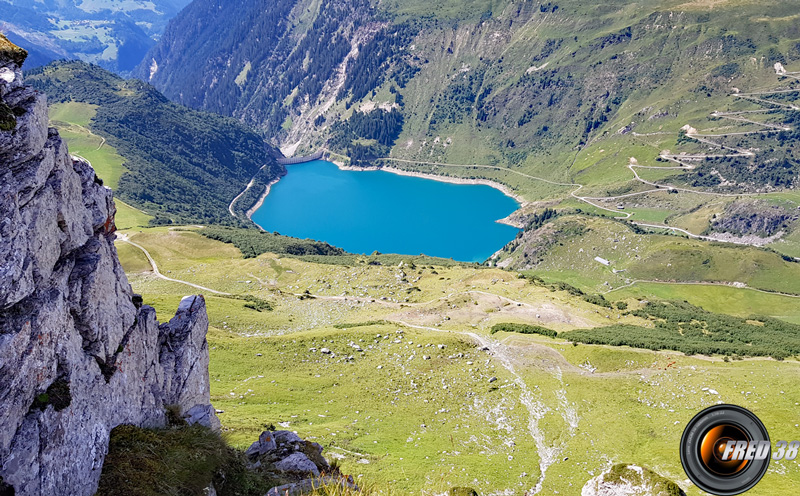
725, 450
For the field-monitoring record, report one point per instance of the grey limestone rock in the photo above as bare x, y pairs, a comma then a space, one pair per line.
288, 458
297, 463
265, 444
77, 357
286, 437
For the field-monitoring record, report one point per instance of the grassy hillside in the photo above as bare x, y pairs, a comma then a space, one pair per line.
72, 119
435, 398
717, 298
176, 164
566, 248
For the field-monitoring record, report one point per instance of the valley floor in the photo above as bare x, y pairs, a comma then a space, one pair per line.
393, 369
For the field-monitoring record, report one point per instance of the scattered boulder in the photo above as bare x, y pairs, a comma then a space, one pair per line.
313, 452
286, 458
265, 444
630, 480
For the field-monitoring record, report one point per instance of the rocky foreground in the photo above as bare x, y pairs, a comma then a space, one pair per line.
79, 354
283, 455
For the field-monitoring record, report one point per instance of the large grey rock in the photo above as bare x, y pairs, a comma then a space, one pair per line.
266, 444
77, 357
286, 437
297, 463
284, 457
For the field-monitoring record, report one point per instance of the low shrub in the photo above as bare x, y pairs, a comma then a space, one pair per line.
523, 329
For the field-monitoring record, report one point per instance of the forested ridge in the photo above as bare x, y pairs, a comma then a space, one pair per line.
184, 166
367, 135
683, 327
252, 242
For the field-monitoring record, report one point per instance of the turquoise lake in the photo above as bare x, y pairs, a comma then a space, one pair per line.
362, 212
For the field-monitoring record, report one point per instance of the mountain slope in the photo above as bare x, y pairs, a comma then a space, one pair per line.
412, 376
180, 165
244, 60
519, 79
664, 113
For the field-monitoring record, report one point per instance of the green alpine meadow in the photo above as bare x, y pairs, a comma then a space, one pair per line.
461, 248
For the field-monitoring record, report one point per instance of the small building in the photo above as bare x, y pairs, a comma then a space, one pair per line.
602, 261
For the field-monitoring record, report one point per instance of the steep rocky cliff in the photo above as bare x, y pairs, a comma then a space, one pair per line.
278, 68
79, 354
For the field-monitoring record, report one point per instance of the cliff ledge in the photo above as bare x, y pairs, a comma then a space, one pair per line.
79, 353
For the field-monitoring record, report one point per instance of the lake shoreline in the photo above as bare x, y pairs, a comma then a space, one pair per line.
402, 172
459, 180
447, 179
322, 201
261, 200
435, 177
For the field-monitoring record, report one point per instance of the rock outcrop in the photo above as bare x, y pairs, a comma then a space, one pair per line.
299, 464
630, 480
79, 354
286, 453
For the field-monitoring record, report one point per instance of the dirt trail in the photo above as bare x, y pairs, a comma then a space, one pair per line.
124, 239
702, 283
246, 189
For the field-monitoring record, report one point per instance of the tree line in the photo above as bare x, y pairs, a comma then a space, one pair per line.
183, 165
683, 327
